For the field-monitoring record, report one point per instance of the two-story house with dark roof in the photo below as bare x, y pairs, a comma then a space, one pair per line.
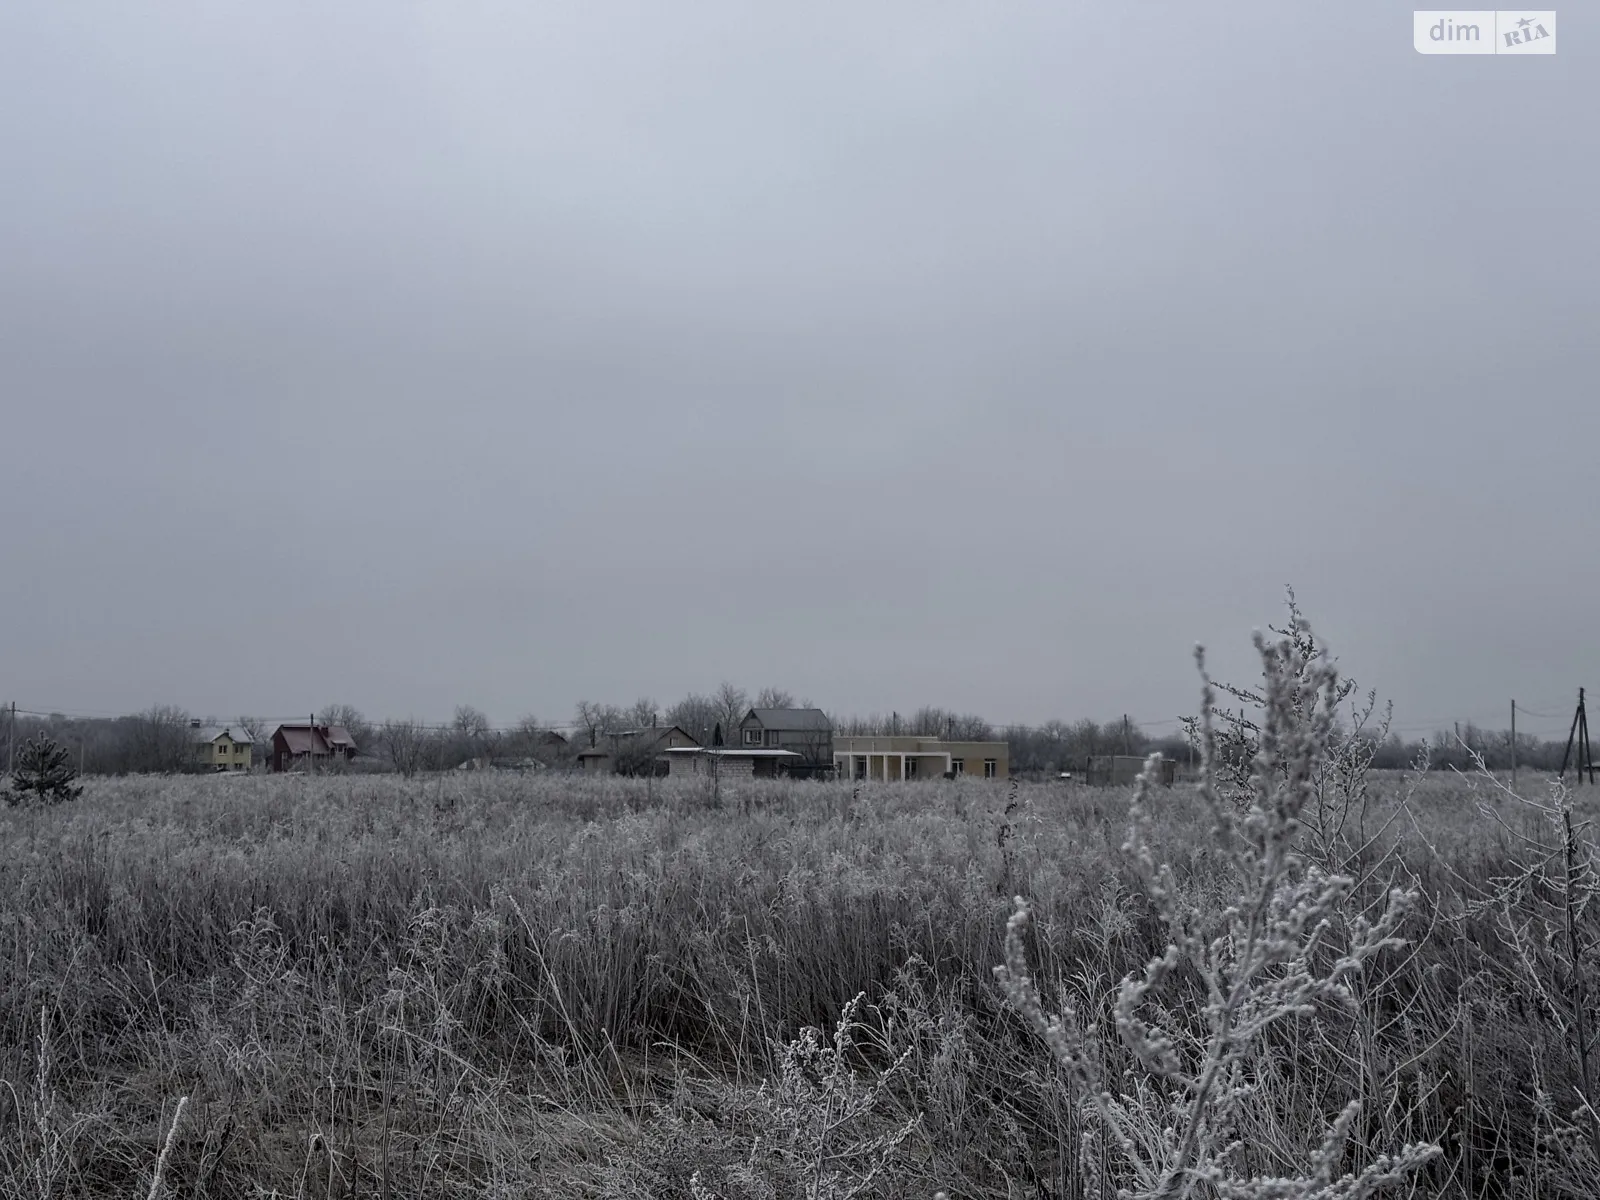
310, 747
807, 732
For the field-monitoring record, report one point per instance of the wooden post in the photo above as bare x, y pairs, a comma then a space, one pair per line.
1513, 745
1588, 750
1571, 734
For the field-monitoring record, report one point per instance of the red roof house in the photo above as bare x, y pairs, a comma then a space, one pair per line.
306, 746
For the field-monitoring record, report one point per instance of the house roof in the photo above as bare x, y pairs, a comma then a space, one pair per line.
634, 739
315, 739
807, 720
210, 733
652, 734
721, 752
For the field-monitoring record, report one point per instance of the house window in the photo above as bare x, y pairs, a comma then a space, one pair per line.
752, 737
958, 765
772, 737
911, 768
861, 766
990, 768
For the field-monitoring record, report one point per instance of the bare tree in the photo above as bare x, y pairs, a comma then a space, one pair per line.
523, 738
471, 734
636, 753
969, 727
356, 725
594, 719
695, 714
470, 722
407, 745
644, 713
732, 705
586, 717
161, 739
815, 746
771, 697
532, 738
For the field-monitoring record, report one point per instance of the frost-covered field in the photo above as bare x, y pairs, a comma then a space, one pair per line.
525, 986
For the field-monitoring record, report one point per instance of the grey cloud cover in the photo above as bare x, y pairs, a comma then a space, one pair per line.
986, 356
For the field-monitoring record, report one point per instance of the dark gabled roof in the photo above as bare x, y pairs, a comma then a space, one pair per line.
634, 739
805, 720
657, 733
315, 739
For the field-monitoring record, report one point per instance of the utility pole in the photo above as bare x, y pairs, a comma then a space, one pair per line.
1127, 747
1579, 733
11, 742
1583, 734
1513, 745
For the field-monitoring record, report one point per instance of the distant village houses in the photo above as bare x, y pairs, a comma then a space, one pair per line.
545, 749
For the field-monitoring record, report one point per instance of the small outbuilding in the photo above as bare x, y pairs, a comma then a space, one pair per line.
730, 761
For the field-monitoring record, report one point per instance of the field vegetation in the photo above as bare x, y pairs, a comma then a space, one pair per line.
484, 985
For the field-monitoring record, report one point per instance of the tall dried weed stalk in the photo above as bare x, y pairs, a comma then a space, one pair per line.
1282, 951
1543, 916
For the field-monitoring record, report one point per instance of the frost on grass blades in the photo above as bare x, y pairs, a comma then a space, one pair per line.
1294, 980
1280, 951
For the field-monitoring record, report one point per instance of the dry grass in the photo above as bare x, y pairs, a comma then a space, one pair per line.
494, 986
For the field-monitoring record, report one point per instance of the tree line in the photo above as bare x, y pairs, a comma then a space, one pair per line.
160, 739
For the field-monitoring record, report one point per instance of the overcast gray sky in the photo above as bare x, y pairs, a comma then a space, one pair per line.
978, 355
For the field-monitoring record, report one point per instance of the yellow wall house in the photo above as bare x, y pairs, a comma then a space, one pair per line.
897, 758
221, 747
